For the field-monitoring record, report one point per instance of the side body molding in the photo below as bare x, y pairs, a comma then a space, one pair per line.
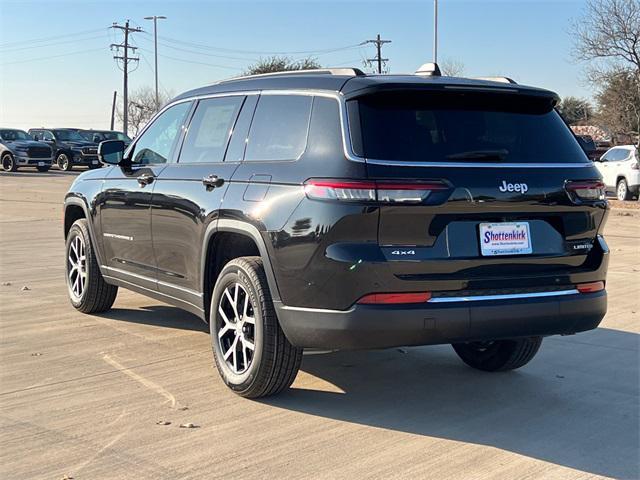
237, 226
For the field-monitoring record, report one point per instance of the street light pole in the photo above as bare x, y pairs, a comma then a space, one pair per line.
155, 19
435, 31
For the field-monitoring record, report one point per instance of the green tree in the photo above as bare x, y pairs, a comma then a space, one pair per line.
575, 110
281, 64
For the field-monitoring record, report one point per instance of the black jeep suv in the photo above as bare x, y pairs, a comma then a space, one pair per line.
70, 148
336, 210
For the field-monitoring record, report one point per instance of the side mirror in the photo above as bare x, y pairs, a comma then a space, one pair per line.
111, 152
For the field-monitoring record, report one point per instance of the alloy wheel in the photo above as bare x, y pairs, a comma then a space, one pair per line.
63, 162
76, 267
235, 326
622, 191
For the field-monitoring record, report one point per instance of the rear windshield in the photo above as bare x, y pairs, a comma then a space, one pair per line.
460, 127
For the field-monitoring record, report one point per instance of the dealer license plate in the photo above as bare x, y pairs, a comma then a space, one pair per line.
508, 238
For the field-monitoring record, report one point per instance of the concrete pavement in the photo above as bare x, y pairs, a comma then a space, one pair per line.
82, 395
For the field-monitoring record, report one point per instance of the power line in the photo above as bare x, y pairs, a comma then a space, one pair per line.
379, 60
48, 57
125, 58
15, 49
261, 52
192, 61
46, 39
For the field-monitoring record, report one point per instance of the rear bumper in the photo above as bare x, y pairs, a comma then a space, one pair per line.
383, 326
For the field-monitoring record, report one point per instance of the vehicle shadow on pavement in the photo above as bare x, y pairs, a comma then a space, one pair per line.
575, 404
157, 315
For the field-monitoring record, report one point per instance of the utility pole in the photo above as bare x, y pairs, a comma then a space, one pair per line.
435, 31
113, 108
125, 58
378, 42
155, 19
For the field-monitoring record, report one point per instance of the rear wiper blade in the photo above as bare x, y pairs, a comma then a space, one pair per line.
480, 155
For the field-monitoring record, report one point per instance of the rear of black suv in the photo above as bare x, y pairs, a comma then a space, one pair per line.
479, 219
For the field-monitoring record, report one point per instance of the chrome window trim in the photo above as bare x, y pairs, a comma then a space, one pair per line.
346, 142
511, 296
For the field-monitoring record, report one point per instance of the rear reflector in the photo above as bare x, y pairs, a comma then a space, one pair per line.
370, 191
590, 287
587, 189
394, 298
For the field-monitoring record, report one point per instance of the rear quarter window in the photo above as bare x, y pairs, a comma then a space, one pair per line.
279, 128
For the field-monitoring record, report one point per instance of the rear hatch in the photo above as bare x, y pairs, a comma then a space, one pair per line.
509, 200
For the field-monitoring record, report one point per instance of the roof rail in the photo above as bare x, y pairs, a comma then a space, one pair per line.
353, 72
498, 79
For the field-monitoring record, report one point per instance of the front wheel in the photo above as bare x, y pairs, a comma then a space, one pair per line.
64, 162
622, 190
251, 352
88, 292
498, 355
9, 163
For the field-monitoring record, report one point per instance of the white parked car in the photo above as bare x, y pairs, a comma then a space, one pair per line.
620, 170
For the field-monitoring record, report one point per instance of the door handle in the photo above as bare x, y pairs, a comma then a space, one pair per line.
212, 181
145, 179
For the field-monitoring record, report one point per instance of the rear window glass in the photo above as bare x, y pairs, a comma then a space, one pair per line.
459, 127
279, 128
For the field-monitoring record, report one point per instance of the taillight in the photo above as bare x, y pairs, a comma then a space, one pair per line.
590, 287
371, 191
394, 298
586, 189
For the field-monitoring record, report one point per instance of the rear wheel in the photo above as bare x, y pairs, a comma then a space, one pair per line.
64, 163
251, 352
9, 163
88, 292
498, 355
622, 190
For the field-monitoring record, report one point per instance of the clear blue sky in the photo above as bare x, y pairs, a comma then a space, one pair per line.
41, 84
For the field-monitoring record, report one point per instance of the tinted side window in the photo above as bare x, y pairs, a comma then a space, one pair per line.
210, 129
279, 128
47, 135
156, 143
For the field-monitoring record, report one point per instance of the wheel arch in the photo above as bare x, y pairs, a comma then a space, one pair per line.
76, 208
238, 230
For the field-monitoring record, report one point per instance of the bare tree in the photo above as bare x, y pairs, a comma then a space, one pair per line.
619, 103
608, 36
142, 106
452, 67
281, 64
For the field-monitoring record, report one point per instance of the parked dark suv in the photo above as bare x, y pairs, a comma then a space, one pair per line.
336, 210
18, 149
70, 148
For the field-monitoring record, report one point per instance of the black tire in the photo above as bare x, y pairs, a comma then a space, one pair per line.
97, 295
498, 355
274, 362
64, 162
622, 190
43, 169
9, 163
